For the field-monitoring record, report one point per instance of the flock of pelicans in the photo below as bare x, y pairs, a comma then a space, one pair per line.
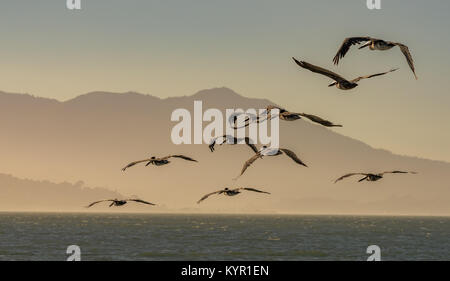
340, 83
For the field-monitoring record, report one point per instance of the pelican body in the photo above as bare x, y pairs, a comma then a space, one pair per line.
344, 85
230, 192
378, 44
372, 177
157, 162
118, 203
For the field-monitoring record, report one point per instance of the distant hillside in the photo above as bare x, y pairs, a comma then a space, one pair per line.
94, 135
24, 194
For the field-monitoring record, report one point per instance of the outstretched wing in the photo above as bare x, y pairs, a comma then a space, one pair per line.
254, 189
397, 172
372, 75
349, 175
320, 70
292, 155
209, 194
409, 59
93, 203
134, 163
270, 107
213, 142
141, 201
348, 42
247, 120
251, 145
319, 120
248, 163
182, 157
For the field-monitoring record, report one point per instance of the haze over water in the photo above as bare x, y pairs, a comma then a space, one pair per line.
101, 236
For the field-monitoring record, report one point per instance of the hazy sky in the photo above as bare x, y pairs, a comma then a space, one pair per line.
172, 48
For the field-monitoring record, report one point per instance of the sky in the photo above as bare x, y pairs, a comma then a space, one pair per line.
175, 48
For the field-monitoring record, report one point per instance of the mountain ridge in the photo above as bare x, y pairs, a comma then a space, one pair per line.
198, 94
95, 136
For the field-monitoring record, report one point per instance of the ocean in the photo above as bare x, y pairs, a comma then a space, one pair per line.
121, 236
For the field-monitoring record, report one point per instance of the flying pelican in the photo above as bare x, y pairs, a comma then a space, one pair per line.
118, 203
372, 177
290, 116
230, 192
341, 83
232, 140
157, 161
268, 151
373, 44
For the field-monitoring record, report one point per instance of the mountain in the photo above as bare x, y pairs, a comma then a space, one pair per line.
31, 195
92, 136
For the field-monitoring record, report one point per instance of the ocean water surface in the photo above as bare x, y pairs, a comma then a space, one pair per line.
120, 236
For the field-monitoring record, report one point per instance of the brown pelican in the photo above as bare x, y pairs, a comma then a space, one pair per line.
231, 192
372, 177
268, 151
373, 44
116, 202
341, 83
232, 140
158, 161
290, 116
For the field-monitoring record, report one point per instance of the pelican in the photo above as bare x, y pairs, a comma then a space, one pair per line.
158, 161
268, 151
374, 44
290, 116
118, 203
341, 83
232, 140
372, 177
231, 192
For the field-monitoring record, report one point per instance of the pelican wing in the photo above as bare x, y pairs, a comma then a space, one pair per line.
141, 201
93, 203
247, 121
292, 155
373, 75
319, 120
270, 107
136, 162
253, 189
349, 175
249, 162
320, 70
251, 145
409, 59
348, 42
182, 157
397, 172
209, 194
212, 144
